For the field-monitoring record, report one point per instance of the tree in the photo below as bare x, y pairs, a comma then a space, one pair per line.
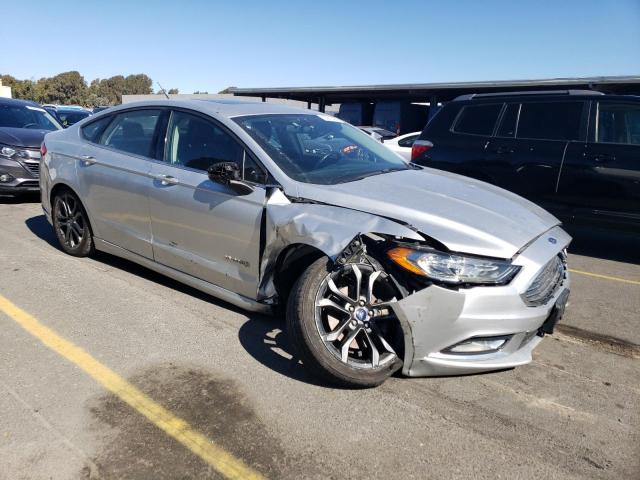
139, 84
173, 91
71, 88
64, 88
198, 92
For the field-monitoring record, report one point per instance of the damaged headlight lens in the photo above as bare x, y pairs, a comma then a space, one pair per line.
453, 268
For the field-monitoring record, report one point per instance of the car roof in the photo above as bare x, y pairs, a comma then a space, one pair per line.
538, 94
15, 102
226, 108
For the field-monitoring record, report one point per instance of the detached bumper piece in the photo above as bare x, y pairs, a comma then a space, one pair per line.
557, 312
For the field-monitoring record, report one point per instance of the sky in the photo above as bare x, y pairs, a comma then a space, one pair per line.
208, 45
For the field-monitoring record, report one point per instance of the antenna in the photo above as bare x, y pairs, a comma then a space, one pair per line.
163, 90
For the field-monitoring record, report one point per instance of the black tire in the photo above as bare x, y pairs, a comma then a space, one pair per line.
71, 224
307, 342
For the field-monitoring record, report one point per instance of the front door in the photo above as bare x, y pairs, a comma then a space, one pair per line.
601, 178
114, 173
200, 227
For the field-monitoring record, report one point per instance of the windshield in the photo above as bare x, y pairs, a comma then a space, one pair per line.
26, 116
319, 148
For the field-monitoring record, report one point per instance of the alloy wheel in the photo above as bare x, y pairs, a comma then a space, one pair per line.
71, 226
354, 317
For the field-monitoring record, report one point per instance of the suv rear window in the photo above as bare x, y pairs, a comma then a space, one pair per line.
618, 123
477, 119
550, 120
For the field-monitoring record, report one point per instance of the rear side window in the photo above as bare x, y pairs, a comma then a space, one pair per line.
618, 123
550, 120
509, 121
132, 132
478, 119
93, 130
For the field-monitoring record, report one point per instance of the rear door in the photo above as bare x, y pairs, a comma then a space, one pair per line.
526, 154
114, 173
200, 227
601, 177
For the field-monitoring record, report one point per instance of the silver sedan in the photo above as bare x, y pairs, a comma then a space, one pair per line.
380, 265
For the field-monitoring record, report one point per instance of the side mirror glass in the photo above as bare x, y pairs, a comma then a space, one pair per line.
228, 173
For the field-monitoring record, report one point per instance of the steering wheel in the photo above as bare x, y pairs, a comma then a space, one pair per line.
31, 125
329, 159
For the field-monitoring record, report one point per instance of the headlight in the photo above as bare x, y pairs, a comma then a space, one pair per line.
453, 269
7, 152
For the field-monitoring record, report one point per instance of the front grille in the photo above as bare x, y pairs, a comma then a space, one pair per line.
33, 167
546, 283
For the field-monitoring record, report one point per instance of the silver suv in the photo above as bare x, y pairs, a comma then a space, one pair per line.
381, 265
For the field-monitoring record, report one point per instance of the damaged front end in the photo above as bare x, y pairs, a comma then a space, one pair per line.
475, 322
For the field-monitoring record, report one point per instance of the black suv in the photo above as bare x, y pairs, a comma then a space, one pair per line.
576, 153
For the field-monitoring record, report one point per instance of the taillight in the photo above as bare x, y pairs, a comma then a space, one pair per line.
419, 148
43, 150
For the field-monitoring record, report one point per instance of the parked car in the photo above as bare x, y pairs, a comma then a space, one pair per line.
575, 153
70, 115
23, 125
100, 108
402, 144
400, 117
379, 134
380, 265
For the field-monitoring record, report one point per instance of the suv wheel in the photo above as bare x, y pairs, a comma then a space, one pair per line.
340, 322
71, 225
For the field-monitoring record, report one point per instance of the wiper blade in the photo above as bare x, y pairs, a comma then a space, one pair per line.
379, 172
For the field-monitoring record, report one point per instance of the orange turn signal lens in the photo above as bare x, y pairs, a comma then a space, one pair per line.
400, 255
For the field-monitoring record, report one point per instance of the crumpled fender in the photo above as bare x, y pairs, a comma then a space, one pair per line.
326, 227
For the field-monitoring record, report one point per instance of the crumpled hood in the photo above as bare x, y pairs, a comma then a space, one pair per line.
22, 137
464, 214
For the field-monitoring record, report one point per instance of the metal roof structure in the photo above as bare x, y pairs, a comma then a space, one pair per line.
440, 92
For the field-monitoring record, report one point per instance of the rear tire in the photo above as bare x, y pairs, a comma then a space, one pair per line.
71, 224
331, 327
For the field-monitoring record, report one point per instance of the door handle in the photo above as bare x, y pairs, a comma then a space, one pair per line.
166, 179
503, 150
600, 157
88, 160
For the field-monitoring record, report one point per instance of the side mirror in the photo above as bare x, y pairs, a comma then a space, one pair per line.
228, 173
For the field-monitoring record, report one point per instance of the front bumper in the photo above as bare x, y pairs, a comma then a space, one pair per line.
23, 176
437, 318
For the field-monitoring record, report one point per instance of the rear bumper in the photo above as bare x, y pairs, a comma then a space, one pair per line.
436, 318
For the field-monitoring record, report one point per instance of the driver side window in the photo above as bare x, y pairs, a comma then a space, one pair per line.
194, 142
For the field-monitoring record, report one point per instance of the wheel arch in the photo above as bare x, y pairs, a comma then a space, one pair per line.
60, 187
291, 262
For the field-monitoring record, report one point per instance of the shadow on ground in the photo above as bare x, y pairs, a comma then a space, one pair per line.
608, 244
262, 336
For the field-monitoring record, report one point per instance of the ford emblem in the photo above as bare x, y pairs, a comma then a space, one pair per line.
552, 240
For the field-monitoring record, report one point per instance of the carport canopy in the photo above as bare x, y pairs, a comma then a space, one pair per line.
434, 93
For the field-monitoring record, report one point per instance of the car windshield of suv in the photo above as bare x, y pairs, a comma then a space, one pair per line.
319, 148
26, 116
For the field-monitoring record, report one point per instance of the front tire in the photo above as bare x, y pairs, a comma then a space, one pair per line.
71, 225
341, 325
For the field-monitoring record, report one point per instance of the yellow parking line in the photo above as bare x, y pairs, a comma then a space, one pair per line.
606, 277
221, 460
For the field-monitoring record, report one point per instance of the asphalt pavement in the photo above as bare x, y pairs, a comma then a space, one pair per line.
226, 375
